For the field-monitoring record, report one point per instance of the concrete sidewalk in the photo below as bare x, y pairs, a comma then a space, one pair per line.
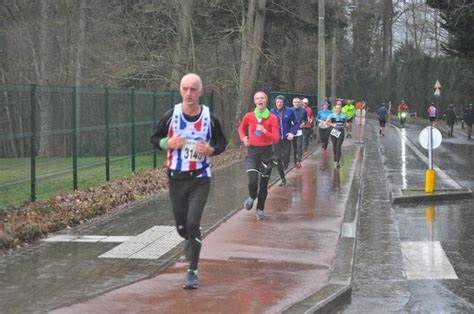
249, 266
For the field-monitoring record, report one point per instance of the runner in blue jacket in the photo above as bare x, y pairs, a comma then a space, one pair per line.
287, 126
324, 128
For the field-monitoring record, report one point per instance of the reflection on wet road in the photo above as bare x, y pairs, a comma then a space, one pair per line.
418, 257
403, 156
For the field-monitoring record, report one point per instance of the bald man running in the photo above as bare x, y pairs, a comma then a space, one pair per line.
190, 134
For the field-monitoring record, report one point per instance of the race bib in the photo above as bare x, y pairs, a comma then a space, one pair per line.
189, 152
336, 133
299, 132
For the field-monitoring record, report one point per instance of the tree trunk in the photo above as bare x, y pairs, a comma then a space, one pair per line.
415, 30
80, 54
47, 145
387, 47
292, 56
333, 67
184, 56
10, 121
387, 33
253, 29
4, 70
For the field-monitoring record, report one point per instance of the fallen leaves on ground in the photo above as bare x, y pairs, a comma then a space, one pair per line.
32, 221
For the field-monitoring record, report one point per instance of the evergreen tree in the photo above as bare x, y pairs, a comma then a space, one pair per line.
458, 16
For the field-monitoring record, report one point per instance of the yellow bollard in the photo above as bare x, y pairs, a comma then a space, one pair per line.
430, 181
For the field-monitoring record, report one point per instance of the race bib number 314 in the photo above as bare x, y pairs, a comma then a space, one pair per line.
189, 152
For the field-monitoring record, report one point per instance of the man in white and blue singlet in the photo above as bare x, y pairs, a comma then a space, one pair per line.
190, 134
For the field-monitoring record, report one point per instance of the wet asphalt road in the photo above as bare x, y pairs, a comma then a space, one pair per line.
380, 278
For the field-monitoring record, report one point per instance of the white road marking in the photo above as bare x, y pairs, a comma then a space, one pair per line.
348, 230
151, 244
86, 238
420, 155
426, 260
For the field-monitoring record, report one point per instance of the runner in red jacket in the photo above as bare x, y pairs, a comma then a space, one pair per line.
259, 131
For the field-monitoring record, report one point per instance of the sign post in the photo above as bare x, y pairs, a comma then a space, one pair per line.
430, 138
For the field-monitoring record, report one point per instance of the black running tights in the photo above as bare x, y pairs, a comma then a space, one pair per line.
188, 198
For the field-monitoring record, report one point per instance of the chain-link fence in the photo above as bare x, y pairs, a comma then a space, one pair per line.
58, 139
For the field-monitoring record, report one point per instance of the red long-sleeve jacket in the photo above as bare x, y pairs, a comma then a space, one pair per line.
249, 125
310, 117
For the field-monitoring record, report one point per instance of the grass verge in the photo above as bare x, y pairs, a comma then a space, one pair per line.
54, 175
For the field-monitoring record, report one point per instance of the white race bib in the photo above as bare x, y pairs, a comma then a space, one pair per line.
188, 152
299, 132
336, 133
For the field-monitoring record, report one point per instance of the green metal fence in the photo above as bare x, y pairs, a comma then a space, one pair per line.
58, 139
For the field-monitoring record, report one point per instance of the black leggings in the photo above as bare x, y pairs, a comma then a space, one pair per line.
307, 132
450, 129
324, 136
282, 152
337, 144
256, 191
297, 148
259, 165
188, 198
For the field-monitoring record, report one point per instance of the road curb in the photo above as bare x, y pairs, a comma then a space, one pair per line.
338, 290
418, 196
323, 301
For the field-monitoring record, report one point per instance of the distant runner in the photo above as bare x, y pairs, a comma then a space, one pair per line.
287, 128
432, 113
308, 128
302, 118
324, 128
468, 117
349, 110
451, 119
402, 113
383, 113
337, 120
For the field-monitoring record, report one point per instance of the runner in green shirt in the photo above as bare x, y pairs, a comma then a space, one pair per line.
349, 110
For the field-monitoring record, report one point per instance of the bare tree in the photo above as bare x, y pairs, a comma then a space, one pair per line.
387, 34
80, 60
47, 64
184, 55
253, 26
